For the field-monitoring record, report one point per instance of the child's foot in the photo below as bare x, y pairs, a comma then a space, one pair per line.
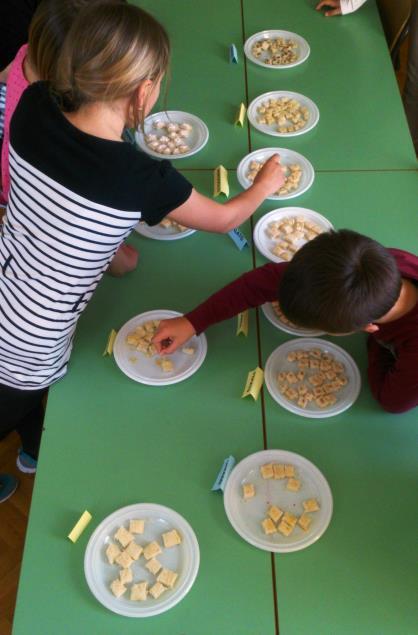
26, 463
8, 486
124, 260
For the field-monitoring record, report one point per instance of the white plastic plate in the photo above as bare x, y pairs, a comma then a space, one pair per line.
197, 139
274, 319
277, 362
246, 515
161, 233
265, 244
287, 157
183, 559
271, 129
302, 48
144, 369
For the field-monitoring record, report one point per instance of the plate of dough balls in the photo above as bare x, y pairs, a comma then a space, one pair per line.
298, 171
275, 316
281, 113
276, 49
312, 378
279, 234
141, 560
278, 501
137, 357
168, 229
172, 134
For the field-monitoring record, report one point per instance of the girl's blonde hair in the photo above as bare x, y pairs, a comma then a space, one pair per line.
109, 50
48, 29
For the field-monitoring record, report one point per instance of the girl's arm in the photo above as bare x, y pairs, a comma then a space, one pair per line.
201, 212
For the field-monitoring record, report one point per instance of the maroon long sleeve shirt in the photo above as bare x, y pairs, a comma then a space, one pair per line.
392, 350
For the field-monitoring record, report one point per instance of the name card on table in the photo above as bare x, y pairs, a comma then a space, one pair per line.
254, 382
233, 54
242, 326
238, 238
220, 181
110, 341
80, 526
240, 116
224, 473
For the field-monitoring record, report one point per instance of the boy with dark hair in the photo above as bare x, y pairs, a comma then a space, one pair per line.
339, 282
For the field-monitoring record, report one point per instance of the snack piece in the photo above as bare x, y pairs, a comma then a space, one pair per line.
278, 471
305, 521
290, 518
126, 575
124, 559
153, 566
136, 526
266, 470
134, 550
151, 550
165, 364
112, 552
293, 485
117, 588
275, 513
139, 591
171, 538
289, 470
169, 223
248, 491
268, 526
123, 536
285, 528
157, 590
167, 577
188, 350
311, 505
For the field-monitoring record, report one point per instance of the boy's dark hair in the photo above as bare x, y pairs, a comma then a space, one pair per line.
339, 282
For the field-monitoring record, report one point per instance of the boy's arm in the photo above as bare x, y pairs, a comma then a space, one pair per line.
394, 382
250, 290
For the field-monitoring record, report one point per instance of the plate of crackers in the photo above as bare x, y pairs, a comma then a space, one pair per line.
312, 378
279, 234
275, 316
137, 357
276, 49
172, 134
278, 501
141, 560
283, 113
167, 229
298, 171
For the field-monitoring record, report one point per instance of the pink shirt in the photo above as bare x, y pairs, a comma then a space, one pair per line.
16, 84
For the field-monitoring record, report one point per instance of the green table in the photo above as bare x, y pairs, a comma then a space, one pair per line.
110, 442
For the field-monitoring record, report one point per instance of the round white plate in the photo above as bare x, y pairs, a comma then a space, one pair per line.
265, 244
302, 48
277, 363
196, 141
161, 233
274, 319
246, 515
145, 370
271, 129
287, 157
183, 558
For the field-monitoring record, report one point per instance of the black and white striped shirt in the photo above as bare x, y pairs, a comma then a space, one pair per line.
73, 200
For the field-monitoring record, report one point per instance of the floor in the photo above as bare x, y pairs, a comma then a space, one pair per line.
14, 512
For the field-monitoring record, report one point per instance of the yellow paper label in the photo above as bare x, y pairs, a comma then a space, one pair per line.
110, 341
240, 117
80, 526
220, 181
242, 326
254, 382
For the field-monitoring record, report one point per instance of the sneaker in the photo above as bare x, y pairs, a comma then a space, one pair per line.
8, 486
26, 463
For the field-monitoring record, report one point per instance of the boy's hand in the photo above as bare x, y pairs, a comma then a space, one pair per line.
335, 4
171, 334
271, 175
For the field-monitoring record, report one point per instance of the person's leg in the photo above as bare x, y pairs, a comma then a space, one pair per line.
410, 96
22, 410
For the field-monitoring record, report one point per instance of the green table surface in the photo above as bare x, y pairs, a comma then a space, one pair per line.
109, 442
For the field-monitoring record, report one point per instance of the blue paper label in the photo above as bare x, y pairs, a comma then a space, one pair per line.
233, 54
238, 237
224, 473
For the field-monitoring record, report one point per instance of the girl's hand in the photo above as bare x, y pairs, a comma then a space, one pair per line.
335, 4
171, 334
271, 175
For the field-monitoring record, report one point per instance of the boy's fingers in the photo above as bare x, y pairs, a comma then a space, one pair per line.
329, 14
